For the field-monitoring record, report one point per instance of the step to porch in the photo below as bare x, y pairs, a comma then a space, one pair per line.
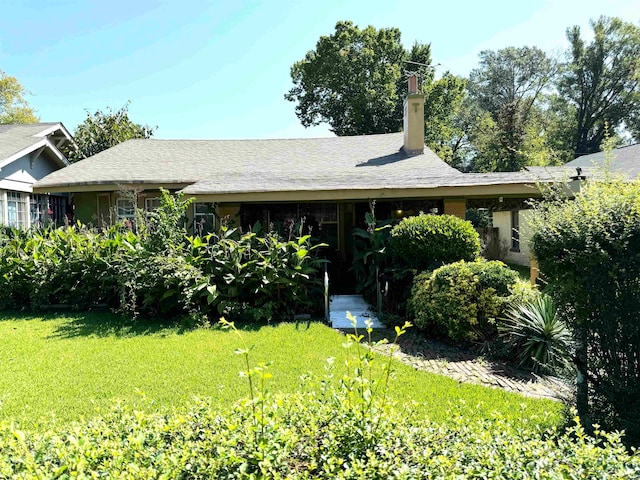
357, 306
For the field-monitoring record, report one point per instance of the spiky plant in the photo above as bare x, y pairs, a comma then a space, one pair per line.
537, 334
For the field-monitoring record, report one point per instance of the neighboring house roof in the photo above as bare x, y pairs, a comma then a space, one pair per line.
624, 161
214, 167
560, 173
18, 140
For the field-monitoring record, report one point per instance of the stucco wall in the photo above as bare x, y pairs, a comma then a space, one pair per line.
502, 220
230, 212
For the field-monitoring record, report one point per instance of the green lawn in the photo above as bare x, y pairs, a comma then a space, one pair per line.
60, 368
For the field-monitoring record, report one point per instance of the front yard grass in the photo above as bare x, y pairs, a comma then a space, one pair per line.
58, 368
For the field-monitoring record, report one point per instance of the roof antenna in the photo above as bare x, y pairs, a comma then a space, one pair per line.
410, 73
422, 64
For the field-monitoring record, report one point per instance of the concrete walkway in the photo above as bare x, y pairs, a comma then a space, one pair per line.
466, 366
357, 306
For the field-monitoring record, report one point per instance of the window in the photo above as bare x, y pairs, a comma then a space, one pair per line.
515, 231
2, 215
17, 210
151, 204
125, 209
320, 212
39, 210
320, 219
204, 218
58, 209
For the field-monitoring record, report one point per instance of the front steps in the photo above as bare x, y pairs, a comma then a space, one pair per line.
357, 306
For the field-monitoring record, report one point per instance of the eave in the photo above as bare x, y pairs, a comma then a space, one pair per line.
515, 190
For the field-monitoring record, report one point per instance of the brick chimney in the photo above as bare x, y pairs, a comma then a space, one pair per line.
414, 119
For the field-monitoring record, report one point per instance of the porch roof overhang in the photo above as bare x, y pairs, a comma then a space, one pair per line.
332, 195
467, 185
107, 186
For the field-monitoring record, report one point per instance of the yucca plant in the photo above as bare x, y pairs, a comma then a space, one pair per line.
537, 334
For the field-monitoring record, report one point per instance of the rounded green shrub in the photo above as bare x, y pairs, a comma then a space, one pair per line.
462, 299
426, 240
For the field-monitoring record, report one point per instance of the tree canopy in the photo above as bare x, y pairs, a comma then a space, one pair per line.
14, 108
102, 130
508, 85
354, 81
519, 106
600, 82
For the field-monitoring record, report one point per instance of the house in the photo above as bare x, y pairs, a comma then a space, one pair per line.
512, 222
28, 153
330, 182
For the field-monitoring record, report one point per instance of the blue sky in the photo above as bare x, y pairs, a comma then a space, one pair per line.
220, 69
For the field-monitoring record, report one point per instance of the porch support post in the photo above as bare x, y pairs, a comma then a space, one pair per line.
455, 206
230, 212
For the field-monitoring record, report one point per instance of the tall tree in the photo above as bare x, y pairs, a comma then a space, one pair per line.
102, 130
14, 108
354, 81
444, 100
509, 84
600, 81
350, 81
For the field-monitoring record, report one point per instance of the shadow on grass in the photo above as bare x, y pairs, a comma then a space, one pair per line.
107, 324
101, 324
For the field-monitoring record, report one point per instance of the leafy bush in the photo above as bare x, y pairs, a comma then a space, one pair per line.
158, 271
538, 336
479, 217
163, 229
426, 240
160, 285
588, 250
258, 276
70, 266
462, 299
306, 435
523, 292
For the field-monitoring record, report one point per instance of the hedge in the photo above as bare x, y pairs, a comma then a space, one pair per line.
423, 241
307, 435
588, 250
158, 270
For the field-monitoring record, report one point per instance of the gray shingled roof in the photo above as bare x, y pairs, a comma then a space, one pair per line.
14, 138
215, 166
624, 160
414, 177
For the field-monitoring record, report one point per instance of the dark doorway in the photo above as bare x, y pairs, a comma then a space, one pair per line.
320, 220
